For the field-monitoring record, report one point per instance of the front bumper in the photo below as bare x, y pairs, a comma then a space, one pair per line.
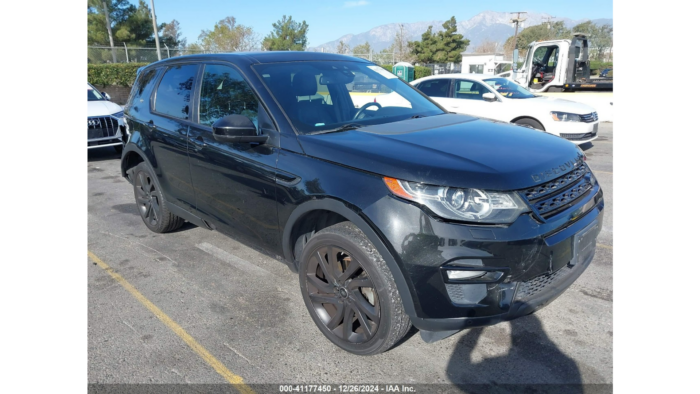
105, 131
576, 132
534, 256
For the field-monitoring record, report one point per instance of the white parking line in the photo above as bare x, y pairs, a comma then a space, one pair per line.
232, 259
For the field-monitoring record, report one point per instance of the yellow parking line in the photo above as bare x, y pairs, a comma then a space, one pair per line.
605, 246
191, 342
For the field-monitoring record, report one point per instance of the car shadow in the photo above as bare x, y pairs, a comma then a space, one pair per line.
102, 154
532, 364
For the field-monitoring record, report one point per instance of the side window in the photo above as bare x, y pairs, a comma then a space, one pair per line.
224, 92
469, 90
435, 87
553, 58
142, 90
175, 90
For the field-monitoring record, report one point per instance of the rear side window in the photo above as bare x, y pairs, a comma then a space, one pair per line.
175, 91
469, 90
435, 87
142, 89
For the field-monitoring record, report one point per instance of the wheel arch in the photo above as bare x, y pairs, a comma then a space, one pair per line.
528, 117
306, 210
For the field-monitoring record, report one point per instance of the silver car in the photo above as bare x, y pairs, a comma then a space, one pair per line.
106, 125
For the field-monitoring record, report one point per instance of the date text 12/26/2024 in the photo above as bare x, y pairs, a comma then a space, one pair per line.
346, 388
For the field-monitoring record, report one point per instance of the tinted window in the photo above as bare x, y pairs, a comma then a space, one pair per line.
175, 90
435, 87
142, 88
224, 92
469, 90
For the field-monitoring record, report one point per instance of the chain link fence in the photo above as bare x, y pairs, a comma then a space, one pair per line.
127, 54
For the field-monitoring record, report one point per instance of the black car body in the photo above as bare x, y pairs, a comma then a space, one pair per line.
275, 193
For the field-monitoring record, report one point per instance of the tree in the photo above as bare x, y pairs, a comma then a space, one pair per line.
286, 35
441, 47
541, 32
487, 46
400, 47
600, 37
227, 36
172, 35
342, 47
362, 49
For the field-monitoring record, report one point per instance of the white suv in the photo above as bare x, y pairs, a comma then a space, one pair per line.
105, 121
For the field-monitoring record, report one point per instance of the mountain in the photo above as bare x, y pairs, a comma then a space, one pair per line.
488, 25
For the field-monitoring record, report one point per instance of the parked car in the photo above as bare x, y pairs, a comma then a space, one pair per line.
502, 99
105, 121
392, 215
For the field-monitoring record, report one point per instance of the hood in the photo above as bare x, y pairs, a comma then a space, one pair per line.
563, 105
102, 108
450, 150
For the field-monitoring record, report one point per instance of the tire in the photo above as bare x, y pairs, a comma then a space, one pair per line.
529, 122
150, 202
357, 306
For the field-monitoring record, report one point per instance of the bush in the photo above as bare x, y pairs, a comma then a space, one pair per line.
420, 72
119, 74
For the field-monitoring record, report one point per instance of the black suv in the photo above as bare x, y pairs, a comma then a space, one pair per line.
393, 211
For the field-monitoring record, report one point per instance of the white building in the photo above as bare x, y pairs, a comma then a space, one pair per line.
482, 63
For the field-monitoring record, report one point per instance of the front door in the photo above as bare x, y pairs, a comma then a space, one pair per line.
234, 182
467, 98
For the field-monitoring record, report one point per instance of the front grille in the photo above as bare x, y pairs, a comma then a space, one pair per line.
550, 198
589, 118
578, 136
102, 127
530, 289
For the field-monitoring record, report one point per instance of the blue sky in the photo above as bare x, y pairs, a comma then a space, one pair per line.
330, 19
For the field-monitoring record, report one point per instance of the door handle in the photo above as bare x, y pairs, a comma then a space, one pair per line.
151, 125
198, 143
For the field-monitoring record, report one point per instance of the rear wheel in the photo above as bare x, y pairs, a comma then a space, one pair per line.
350, 292
529, 122
150, 202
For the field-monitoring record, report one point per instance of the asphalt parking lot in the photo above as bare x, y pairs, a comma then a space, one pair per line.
219, 303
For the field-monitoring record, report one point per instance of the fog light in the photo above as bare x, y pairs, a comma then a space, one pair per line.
453, 274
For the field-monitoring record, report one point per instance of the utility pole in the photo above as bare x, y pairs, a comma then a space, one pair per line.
549, 25
109, 30
155, 27
517, 20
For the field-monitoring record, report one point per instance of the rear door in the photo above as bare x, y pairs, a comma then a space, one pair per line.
466, 97
171, 115
437, 89
234, 182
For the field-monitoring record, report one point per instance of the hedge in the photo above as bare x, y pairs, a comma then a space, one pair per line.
109, 74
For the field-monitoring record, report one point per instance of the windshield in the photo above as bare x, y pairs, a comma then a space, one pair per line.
323, 96
508, 88
94, 95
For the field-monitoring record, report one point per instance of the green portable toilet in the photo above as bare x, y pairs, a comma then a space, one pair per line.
404, 71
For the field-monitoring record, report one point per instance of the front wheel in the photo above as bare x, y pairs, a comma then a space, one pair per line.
531, 123
350, 291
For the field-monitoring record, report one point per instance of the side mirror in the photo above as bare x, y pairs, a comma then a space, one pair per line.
489, 96
106, 96
235, 129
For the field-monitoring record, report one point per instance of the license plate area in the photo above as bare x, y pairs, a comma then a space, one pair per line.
584, 243
595, 128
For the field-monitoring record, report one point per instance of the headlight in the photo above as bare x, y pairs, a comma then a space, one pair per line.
472, 205
565, 117
118, 115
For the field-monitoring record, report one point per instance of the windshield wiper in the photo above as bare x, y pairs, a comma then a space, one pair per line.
345, 127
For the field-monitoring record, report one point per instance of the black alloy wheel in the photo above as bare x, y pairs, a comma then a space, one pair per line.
350, 292
147, 198
150, 201
343, 295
